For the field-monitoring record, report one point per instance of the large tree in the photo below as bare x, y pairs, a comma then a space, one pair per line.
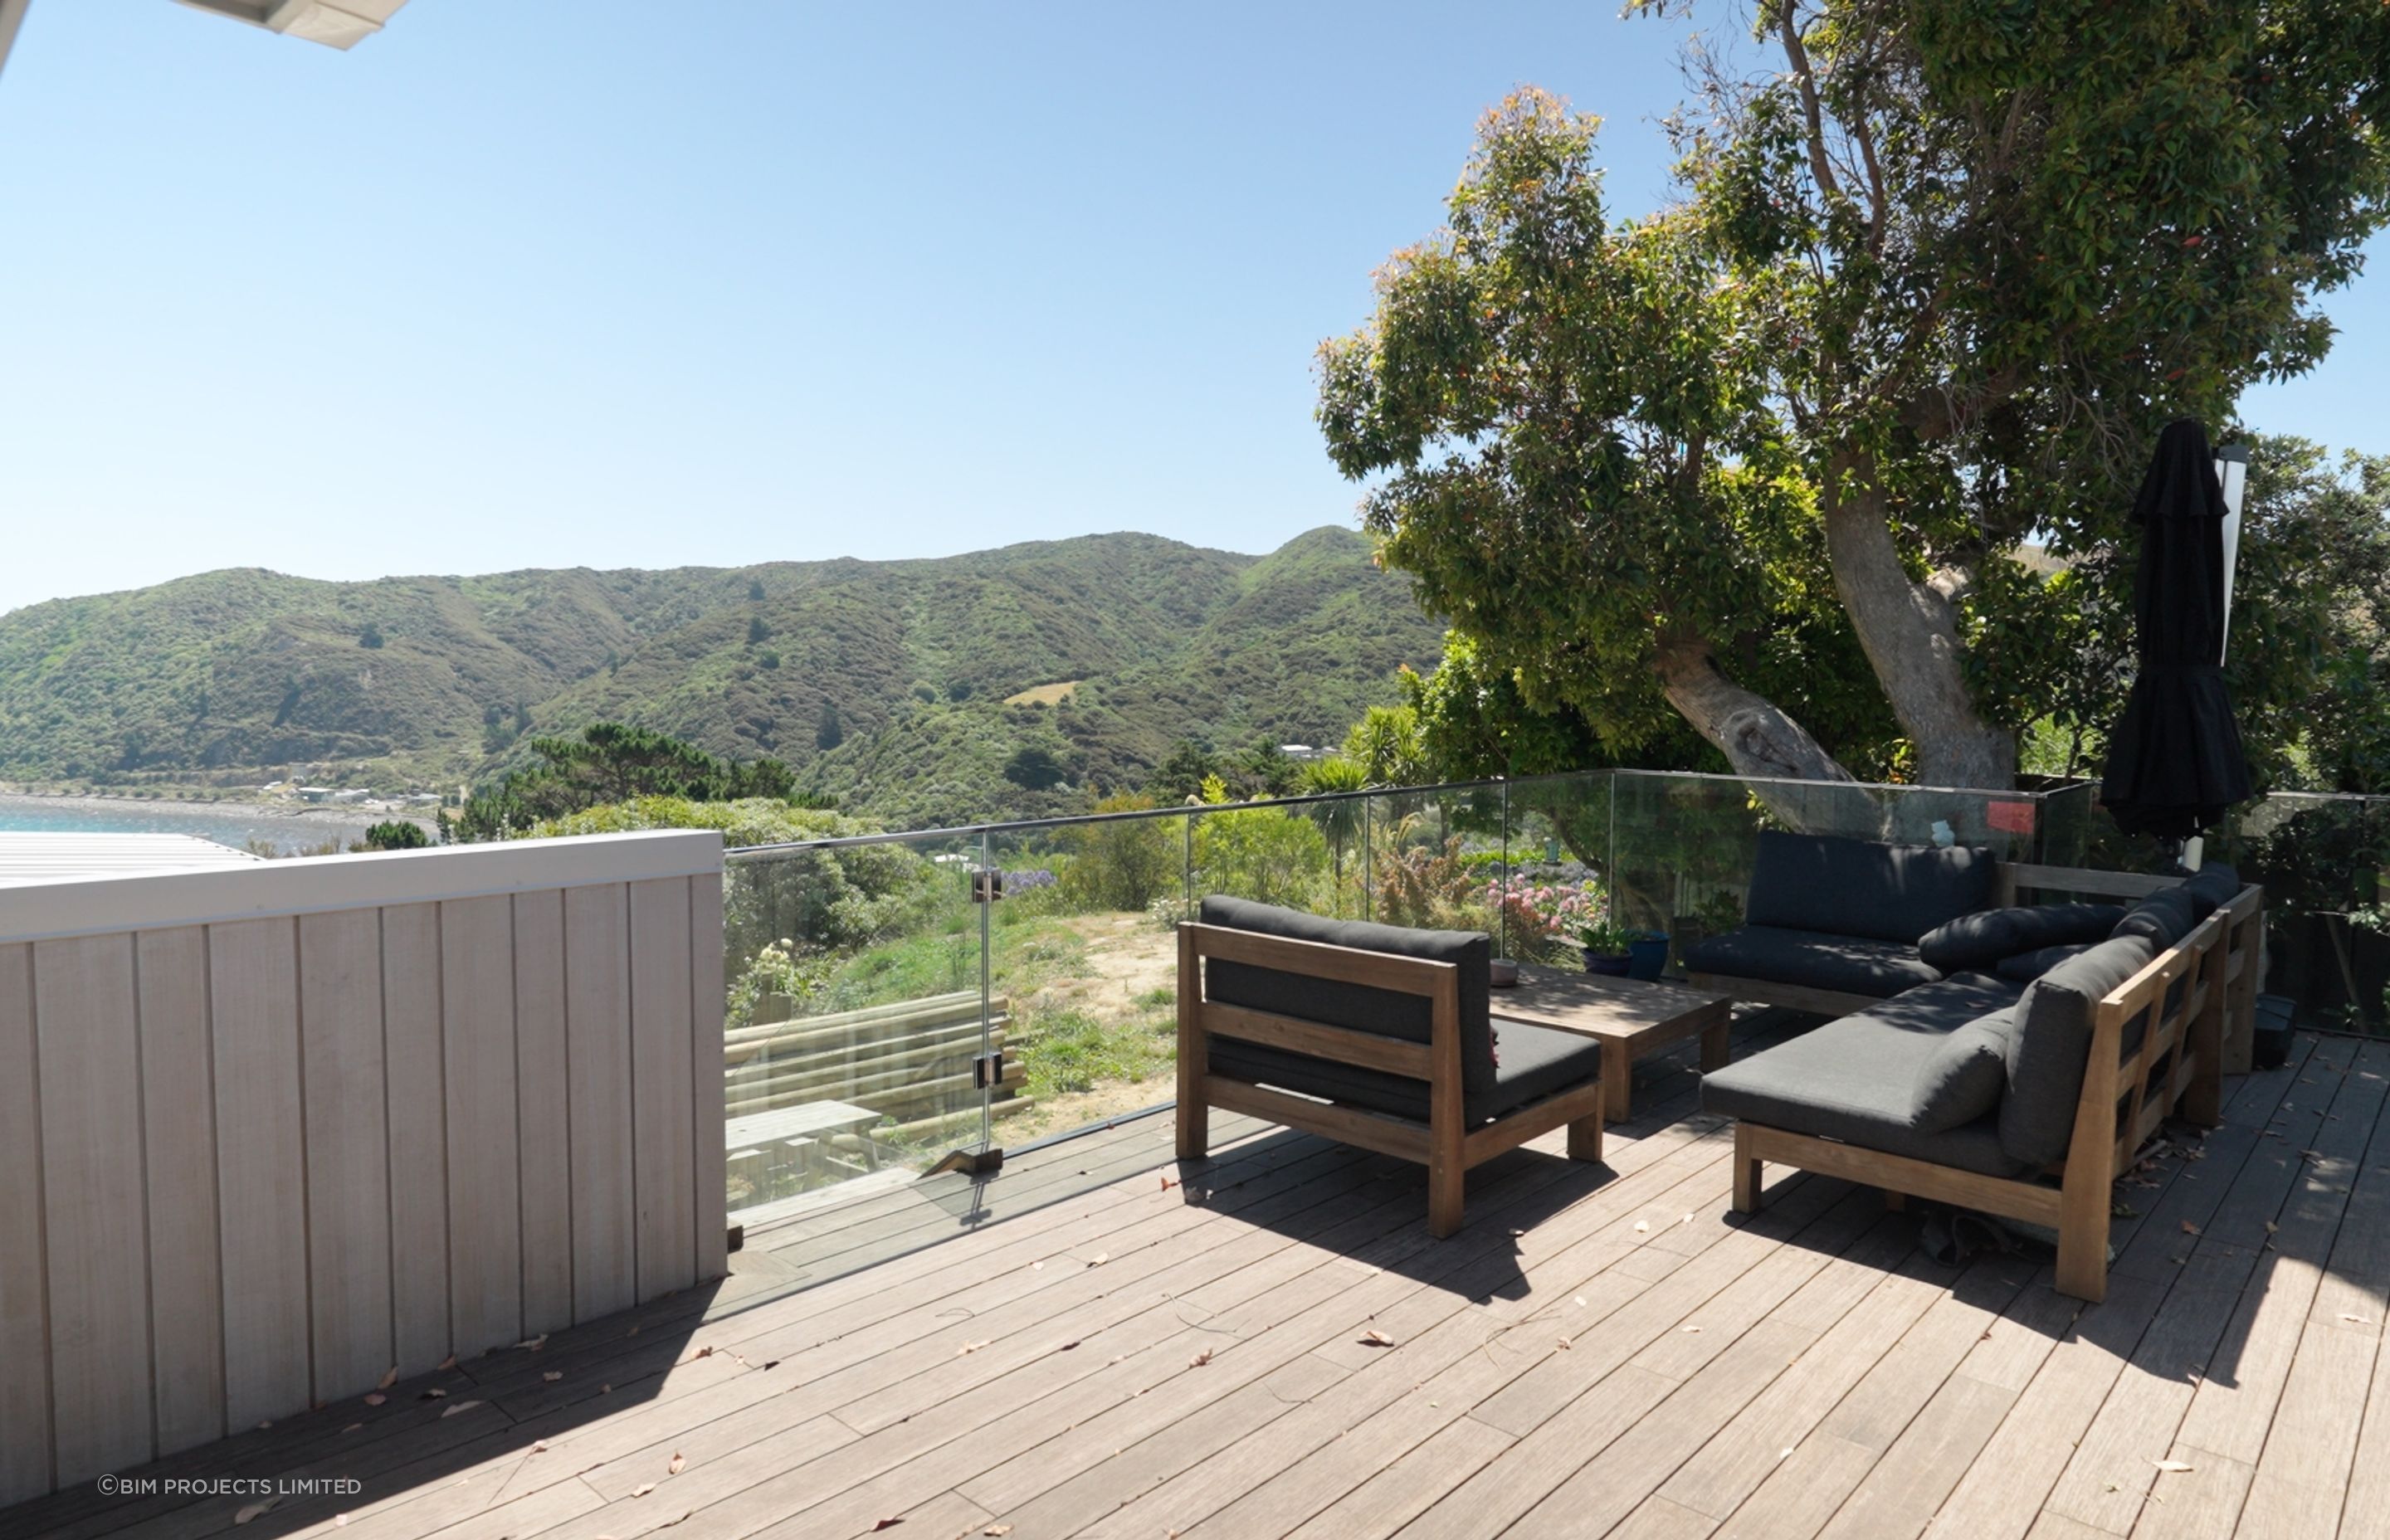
1764, 461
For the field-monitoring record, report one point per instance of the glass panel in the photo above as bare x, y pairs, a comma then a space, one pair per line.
854, 1012
1084, 962
2324, 862
1559, 847
1684, 844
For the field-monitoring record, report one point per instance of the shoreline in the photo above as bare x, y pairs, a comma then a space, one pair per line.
227, 808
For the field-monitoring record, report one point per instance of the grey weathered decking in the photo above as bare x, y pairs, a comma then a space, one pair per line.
1598, 1353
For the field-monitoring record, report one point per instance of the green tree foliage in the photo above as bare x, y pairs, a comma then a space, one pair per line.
1339, 821
757, 631
611, 763
395, 834
1123, 865
1387, 745
1269, 855
1763, 462
1181, 774
370, 636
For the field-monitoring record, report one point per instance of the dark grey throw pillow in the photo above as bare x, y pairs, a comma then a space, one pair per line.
2025, 967
2211, 886
1985, 937
1965, 1078
2162, 919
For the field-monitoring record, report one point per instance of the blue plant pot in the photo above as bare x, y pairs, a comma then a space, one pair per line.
1611, 965
1645, 958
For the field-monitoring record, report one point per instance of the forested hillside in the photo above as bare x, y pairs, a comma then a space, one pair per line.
886, 683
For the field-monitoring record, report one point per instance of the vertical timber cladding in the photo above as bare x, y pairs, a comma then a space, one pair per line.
284, 1129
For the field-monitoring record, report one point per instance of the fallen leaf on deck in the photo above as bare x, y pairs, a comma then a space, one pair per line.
1099, 1259
539, 1446
534, 1343
885, 1523
1564, 1343
257, 1510
1067, 1346
1374, 1338
449, 1362
1166, 1185
643, 1489
388, 1379
2174, 1465
1686, 1220
607, 1388
2190, 1229
1641, 1226
352, 1427
1580, 1300
2358, 1319
997, 1529
2272, 1228
375, 1398
460, 1407
677, 1465
434, 1394
552, 1376
1200, 1359
701, 1352
968, 1347
1688, 1329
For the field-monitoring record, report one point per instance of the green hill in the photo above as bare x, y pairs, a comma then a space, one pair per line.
884, 682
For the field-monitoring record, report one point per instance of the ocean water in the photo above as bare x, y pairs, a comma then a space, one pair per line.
234, 825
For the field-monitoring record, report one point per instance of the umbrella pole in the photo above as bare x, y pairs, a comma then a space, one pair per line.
2231, 473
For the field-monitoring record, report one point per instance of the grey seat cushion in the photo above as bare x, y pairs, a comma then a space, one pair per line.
1848, 964
1864, 888
1871, 1079
1357, 1005
1982, 939
1535, 1062
2050, 1045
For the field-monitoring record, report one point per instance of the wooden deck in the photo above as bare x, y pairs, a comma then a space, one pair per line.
1275, 1347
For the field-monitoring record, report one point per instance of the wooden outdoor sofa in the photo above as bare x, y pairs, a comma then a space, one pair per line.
1372, 1035
2022, 1100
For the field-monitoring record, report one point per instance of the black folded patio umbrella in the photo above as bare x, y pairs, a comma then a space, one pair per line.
2174, 760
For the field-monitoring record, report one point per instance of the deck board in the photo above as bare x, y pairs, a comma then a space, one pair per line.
1074, 1347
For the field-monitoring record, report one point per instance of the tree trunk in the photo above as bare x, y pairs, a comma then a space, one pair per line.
1754, 733
1909, 631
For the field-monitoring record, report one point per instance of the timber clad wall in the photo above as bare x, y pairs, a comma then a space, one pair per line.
268, 1134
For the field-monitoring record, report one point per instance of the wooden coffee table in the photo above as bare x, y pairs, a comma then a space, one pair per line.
1629, 1017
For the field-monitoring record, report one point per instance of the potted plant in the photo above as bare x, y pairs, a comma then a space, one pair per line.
1647, 956
1606, 942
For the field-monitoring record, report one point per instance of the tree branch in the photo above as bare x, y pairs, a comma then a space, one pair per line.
1819, 166
1754, 733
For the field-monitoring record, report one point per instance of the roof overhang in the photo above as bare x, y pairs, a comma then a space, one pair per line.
338, 23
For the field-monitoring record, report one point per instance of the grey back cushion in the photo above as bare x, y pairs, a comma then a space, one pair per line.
1386, 1011
1862, 887
2049, 1044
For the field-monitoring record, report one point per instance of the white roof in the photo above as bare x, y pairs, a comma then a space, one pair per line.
50, 856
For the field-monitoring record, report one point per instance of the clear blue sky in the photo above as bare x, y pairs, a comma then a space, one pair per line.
554, 282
